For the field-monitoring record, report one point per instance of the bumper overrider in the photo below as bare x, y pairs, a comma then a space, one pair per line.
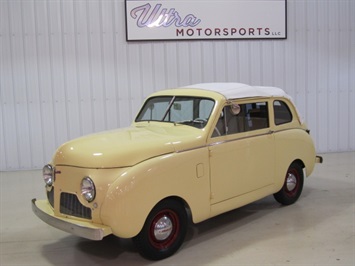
83, 229
319, 159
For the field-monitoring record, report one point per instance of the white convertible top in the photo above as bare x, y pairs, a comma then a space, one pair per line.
240, 90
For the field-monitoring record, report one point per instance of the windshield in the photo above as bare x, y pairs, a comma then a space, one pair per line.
192, 111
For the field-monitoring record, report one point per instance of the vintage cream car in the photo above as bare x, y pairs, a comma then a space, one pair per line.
192, 153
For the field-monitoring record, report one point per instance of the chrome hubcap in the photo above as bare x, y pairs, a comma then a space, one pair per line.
163, 228
291, 182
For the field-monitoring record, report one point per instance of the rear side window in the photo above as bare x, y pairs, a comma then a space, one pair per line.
282, 113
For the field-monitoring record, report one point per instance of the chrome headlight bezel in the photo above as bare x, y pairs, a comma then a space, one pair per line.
48, 175
87, 188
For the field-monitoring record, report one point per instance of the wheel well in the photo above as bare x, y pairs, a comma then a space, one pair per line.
183, 203
300, 162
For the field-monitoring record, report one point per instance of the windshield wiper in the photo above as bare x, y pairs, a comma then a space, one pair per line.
199, 121
168, 109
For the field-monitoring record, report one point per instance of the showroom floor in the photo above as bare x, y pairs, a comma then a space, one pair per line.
317, 230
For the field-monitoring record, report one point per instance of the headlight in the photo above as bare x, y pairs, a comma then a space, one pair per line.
48, 175
88, 189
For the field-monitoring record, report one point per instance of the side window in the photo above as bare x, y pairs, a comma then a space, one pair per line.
282, 113
256, 116
237, 118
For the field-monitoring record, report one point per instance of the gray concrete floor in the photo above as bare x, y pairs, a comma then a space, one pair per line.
317, 230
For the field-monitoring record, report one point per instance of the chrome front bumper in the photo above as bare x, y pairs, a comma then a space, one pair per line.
79, 228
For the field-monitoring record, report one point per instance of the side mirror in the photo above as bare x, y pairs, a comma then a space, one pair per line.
235, 109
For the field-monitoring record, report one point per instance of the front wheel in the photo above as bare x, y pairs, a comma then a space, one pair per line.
293, 185
163, 232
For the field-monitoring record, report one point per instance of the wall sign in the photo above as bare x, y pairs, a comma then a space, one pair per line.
200, 19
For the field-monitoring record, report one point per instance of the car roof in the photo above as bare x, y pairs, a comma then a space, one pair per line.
239, 90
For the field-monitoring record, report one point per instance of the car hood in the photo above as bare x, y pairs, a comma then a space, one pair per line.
128, 146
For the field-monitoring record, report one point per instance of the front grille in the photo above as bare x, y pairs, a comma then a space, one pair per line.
50, 197
70, 205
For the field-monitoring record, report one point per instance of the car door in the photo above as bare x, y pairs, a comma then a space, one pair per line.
241, 152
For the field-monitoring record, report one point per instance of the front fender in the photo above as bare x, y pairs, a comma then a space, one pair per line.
134, 194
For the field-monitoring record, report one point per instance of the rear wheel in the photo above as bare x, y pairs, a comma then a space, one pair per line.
163, 232
293, 185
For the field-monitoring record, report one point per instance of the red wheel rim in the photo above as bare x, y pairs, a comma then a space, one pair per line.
164, 229
292, 182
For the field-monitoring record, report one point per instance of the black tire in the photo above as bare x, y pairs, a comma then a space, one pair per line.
293, 185
159, 243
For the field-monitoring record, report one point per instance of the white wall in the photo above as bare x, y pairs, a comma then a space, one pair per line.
66, 70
